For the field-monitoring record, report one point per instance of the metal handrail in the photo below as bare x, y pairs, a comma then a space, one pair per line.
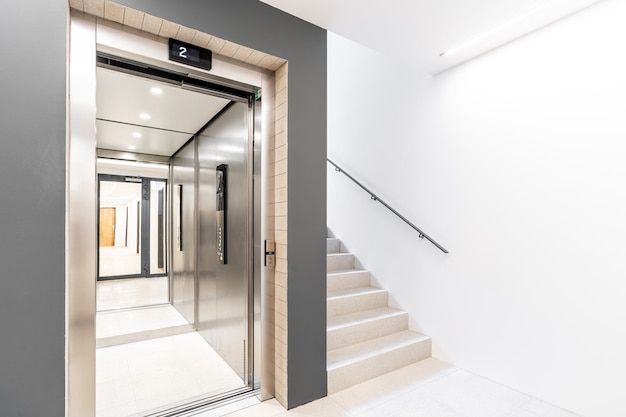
374, 197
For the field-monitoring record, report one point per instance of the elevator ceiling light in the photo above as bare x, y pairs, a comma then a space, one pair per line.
136, 134
156, 91
498, 28
144, 116
132, 147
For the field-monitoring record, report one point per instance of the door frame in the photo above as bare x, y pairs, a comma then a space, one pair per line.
86, 35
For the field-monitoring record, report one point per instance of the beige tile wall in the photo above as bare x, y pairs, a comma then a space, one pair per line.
276, 175
156, 26
280, 230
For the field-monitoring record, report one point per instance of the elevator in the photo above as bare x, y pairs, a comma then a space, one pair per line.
196, 229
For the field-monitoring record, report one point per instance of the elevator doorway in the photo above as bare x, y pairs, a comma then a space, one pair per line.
205, 137
132, 227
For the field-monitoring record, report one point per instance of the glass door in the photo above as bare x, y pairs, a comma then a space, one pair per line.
132, 227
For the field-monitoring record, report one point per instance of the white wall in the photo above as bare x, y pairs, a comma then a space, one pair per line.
516, 163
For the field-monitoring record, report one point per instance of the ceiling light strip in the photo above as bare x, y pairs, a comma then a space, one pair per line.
501, 26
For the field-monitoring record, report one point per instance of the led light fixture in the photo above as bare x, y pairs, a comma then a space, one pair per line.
498, 28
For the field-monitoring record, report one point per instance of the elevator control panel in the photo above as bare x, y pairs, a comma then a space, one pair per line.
220, 210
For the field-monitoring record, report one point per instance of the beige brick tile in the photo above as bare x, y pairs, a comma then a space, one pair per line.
151, 24
280, 209
281, 153
114, 12
281, 110
281, 237
282, 71
280, 278
255, 58
281, 334
268, 61
281, 83
77, 5
277, 64
280, 181
215, 44
201, 39
281, 139
280, 195
169, 29
280, 223
281, 292
281, 394
281, 97
281, 313
94, 7
280, 167
281, 266
242, 53
229, 49
185, 34
281, 349
281, 251
281, 125
133, 18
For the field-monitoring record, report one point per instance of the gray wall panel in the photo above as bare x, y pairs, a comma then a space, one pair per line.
262, 27
32, 208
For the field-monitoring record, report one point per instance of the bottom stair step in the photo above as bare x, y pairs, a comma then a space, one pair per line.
354, 364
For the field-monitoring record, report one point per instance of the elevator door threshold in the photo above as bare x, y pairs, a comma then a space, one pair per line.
158, 376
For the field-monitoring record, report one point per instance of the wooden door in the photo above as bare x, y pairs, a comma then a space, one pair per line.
107, 226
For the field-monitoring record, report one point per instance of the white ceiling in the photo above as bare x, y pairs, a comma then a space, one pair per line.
175, 114
416, 32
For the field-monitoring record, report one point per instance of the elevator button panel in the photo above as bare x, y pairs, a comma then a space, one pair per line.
221, 212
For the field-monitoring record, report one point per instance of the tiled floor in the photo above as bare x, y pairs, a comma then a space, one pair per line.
136, 377
121, 322
430, 388
131, 292
119, 260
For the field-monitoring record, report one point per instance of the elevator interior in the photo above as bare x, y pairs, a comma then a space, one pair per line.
177, 162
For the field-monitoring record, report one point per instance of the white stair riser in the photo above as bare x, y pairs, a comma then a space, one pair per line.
339, 261
355, 373
344, 336
357, 302
333, 245
336, 282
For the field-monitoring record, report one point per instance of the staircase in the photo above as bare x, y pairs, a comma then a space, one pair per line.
366, 338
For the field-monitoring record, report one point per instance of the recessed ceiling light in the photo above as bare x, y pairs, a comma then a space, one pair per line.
156, 91
136, 134
145, 116
132, 147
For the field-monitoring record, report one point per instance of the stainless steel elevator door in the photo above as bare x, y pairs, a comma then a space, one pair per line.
223, 289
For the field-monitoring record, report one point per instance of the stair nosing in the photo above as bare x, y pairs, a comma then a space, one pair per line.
417, 338
350, 292
390, 312
346, 271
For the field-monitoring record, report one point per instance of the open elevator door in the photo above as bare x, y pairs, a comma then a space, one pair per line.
225, 234
215, 226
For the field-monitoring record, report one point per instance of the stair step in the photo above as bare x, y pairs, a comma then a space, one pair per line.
344, 279
365, 325
354, 364
337, 261
355, 299
333, 245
